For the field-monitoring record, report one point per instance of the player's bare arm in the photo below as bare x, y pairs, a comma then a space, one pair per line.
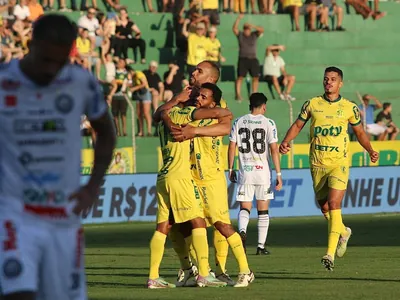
277, 163
167, 121
176, 100
365, 143
231, 159
292, 133
106, 139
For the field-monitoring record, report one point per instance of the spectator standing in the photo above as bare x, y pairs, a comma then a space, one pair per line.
214, 47
197, 43
210, 9
248, 61
367, 114
156, 86
109, 67
174, 81
275, 73
141, 93
384, 118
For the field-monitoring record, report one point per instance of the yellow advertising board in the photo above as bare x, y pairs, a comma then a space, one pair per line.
389, 155
122, 162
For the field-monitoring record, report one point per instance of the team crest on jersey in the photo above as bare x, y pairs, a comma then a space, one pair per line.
356, 112
64, 103
305, 106
340, 113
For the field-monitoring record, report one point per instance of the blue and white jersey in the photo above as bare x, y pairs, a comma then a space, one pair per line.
40, 139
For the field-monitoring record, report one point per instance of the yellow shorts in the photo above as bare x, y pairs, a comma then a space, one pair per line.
178, 201
326, 178
215, 202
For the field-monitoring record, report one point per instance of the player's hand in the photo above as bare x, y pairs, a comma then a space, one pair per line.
85, 197
184, 95
278, 185
233, 176
185, 132
374, 156
284, 147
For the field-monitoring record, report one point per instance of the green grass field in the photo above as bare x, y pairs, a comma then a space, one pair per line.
117, 258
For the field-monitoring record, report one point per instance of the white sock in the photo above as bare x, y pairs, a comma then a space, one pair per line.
244, 217
263, 224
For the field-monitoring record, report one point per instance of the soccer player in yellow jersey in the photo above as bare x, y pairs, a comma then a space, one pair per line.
330, 115
178, 199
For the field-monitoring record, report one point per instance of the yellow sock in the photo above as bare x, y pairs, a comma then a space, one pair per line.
336, 226
327, 216
180, 247
189, 245
157, 245
221, 252
236, 245
200, 245
343, 231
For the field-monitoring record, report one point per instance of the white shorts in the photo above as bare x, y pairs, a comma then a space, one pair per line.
246, 192
375, 129
41, 257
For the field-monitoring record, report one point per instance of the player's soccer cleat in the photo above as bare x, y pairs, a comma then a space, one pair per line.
209, 281
342, 245
262, 251
327, 262
243, 236
159, 283
187, 277
244, 280
224, 277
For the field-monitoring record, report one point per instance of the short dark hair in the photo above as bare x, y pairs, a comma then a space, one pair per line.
386, 105
55, 29
336, 70
256, 100
216, 91
215, 69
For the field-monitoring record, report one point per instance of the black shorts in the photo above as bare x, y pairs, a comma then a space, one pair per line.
268, 78
119, 106
213, 15
85, 132
250, 65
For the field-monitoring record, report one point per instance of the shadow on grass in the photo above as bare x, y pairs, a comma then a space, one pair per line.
368, 231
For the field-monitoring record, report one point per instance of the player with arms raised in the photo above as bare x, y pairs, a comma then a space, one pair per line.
42, 101
330, 115
255, 136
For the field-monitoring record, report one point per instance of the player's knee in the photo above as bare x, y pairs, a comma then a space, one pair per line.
225, 229
198, 223
19, 296
163, 227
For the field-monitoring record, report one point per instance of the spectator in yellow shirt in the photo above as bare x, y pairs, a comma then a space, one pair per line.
197, 43
214, 47
89, 57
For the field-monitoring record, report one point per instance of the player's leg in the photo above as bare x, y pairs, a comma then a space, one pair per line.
147, 112
263, 195
20, 255
241, 73
123, 110
245, 195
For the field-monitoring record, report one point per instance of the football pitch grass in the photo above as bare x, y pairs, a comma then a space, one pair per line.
117, 260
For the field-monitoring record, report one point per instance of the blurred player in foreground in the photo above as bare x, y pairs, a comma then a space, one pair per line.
330, 115
255, 136
41, 199
208, 173
178, 196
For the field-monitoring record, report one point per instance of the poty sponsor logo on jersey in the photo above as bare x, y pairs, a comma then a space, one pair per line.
27, 159
38, 196
331, 131
41, 178
22, 126
40, 142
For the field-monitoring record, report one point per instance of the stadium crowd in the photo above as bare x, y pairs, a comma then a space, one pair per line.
106, 40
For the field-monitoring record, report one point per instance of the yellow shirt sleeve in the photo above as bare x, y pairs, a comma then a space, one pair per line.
355, 117
305, 112
182, 116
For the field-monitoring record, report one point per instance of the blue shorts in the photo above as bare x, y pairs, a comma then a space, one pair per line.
142, 97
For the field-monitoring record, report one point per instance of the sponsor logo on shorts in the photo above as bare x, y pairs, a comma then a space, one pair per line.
240, 193
27, 158
42, 196
12, 268
25, 126
64, 103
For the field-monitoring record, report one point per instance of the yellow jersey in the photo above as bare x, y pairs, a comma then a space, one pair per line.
214, 47
210, 4
82, 45
329, 145
138, 77
176, 156
197, 49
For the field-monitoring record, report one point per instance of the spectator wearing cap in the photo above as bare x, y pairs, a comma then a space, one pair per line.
139, 87
91, 23
210, 9
174, 81
214, 47
367, 114
248, 61
384, 118
35, 10
275, 73
197, 46
155, 84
